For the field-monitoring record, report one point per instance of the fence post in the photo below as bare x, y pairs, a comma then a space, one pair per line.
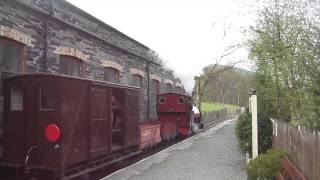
250, 103
254, 113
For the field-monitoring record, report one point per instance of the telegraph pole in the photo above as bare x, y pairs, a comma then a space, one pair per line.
254, 113
197, 84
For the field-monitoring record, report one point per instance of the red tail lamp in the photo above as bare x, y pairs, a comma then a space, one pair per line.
183, 131
52, 133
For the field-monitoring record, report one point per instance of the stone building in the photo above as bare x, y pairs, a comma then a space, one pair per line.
54, 36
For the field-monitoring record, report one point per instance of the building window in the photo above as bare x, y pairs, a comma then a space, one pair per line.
137, 80
111, 75
179, 89
155, 90
155, 87
168, 87
70, 66
11, 60
11, 55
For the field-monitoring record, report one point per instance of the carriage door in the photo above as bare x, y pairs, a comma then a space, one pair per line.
132, 118
100, 132
14, 123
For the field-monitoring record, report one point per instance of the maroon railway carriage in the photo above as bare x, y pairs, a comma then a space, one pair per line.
65, 127
174, 113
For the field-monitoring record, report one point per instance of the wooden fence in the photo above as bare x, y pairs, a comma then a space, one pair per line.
303, 146
213, 116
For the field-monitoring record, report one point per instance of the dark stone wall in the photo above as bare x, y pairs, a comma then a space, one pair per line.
30, 23
68, 26
69, 13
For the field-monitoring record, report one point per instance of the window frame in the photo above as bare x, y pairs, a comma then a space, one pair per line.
117, 74
75, 59
41, 90
12, 99
169, 87
138, 78
157, 85
22, 54
179, 89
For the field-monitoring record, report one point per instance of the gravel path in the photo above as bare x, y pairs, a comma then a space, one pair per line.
211, 155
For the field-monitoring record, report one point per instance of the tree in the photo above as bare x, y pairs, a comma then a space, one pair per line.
285, 47
231, 87
209, 74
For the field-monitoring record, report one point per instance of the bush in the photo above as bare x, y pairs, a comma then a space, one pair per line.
243, 131
265, 133
265, 166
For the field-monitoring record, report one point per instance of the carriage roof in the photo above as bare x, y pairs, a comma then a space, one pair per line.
60, 76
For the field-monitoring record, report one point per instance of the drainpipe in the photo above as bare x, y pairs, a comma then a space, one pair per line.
46, 39
148, 89
45, 55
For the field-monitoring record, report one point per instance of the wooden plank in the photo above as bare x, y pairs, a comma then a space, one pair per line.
303, 146
292, 171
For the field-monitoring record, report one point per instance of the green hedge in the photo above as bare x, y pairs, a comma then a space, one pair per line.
265, 166
243, 131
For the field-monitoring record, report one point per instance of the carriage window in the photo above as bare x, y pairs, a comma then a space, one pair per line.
111, 75
10, 56
16, 99
70, 66
47, 98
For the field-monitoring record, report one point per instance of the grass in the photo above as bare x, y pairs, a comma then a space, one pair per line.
212, 106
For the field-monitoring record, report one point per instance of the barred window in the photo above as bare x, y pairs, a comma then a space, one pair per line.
179, 89
155, 87
10, 55
47, 97
137, 80
111, 75
70, 66
169, 87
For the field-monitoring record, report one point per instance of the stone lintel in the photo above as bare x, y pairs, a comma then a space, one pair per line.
111, 64
67, 51
168, 81
155, 77
136, 72
15, 35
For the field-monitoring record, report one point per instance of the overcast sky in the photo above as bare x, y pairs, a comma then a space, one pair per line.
187, 34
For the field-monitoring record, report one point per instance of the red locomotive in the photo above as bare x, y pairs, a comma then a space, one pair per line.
175, 115
65, 127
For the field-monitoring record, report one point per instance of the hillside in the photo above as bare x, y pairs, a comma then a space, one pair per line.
231, 87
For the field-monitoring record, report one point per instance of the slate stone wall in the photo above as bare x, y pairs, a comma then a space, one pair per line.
51, 28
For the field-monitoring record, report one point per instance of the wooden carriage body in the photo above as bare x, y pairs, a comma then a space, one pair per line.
59, 124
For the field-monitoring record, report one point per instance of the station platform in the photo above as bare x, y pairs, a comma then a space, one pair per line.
210, 155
